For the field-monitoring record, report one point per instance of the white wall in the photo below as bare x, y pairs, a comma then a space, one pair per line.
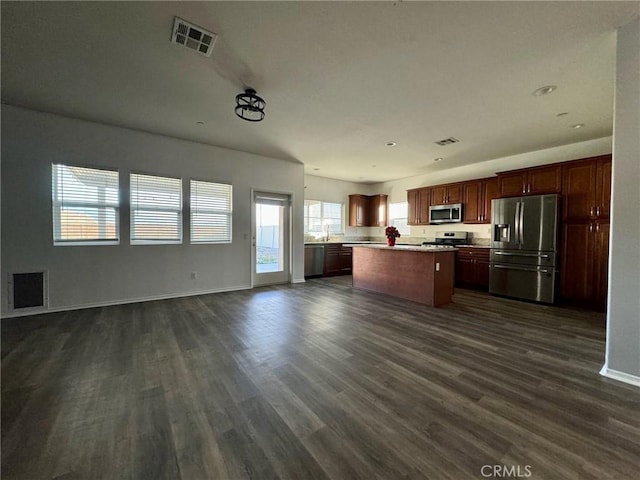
337, 191
92, 275
623, 319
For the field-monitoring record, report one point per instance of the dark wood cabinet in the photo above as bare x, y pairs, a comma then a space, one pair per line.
332, 265
359, 210
337, 259
586, 190
576, 272
472, 267
346, 261
531, 181
477, 196
368, 210
418, 206
446, 194
378, 210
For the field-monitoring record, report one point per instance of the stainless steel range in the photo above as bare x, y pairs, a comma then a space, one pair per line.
448, 239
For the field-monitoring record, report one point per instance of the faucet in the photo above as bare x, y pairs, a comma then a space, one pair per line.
327, 238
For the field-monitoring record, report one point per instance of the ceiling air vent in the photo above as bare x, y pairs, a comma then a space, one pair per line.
193, 37
447, 141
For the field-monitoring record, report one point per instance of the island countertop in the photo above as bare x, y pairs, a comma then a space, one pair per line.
406, 248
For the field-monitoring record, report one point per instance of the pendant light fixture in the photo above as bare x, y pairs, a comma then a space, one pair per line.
249, 106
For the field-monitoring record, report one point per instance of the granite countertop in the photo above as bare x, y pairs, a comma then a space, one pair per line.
404, 248
373, 242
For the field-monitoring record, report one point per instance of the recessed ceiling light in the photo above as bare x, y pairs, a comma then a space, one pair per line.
577, 125
200, 123
390, 144
438, 159
373, 166
562, 114
316, 169
547, 89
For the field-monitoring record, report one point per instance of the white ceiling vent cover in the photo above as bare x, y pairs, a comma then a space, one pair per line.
193, 37
447, 141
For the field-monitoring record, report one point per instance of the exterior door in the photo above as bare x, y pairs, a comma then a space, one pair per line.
271, 239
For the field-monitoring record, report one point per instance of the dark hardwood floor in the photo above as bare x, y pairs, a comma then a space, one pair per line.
314, 381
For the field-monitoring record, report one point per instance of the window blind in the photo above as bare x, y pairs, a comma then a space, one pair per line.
156, 209
85, 205
211, 212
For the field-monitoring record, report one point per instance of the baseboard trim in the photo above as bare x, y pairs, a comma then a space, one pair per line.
620, 376
123, 302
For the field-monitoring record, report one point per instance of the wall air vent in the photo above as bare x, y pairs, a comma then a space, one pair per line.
193, 37
447, 141
28, 290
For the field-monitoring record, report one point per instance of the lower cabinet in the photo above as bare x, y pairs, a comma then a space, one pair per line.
585, 258
337, 259
472, 267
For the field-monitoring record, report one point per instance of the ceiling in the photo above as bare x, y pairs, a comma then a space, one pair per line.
340, 79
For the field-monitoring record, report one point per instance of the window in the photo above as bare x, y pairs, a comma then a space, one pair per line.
398, 217
321, 218
156, 209
85, 205
210, 212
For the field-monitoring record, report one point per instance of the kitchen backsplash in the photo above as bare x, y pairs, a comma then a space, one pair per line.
478, 234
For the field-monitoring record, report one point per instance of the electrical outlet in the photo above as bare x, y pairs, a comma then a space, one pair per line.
194, 275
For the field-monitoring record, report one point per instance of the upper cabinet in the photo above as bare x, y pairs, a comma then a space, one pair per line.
378, 210
418, 206
531, 181
446, 194
477, 196
368, 210
587, 189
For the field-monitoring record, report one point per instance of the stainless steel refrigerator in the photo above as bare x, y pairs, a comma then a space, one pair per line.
524, 258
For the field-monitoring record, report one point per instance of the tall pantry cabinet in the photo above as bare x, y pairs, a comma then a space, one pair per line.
586, 192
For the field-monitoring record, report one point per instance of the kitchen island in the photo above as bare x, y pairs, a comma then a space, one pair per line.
421, 274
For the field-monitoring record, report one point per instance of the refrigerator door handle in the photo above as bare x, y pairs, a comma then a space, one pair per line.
523, 269
516, 223
521, 220
509, 254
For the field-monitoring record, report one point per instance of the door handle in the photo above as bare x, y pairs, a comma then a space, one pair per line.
597, 227
591, 227
522, 269
591, 212
508, 254
598, 211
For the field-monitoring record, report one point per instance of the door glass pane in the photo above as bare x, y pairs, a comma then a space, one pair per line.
269, 238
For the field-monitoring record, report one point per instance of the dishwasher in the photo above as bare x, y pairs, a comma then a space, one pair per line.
313, 260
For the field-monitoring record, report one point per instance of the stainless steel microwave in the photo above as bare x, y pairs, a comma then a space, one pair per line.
445, 213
